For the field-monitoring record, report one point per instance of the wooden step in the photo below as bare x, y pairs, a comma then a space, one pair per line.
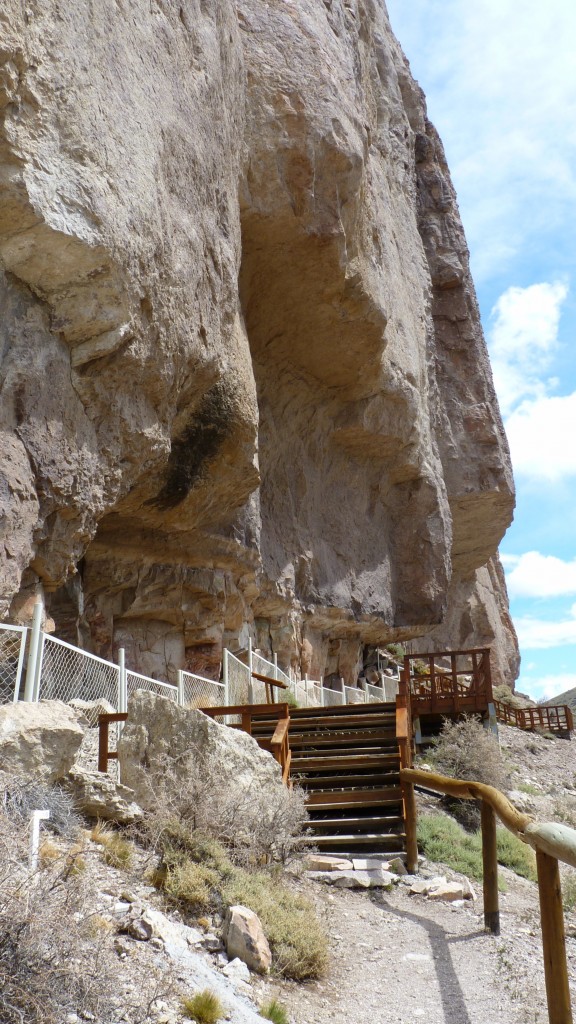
342, 762
345, 781
335, 739
359, 797
373, 840
343, 709
369, 824
312, 754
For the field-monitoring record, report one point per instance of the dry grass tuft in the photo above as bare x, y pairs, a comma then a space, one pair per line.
204, 1007
274, 1011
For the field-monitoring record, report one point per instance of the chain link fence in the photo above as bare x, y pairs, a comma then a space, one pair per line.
333, 698
197, 692
237, 678
12, 645
68, 673
353, 695
136, 681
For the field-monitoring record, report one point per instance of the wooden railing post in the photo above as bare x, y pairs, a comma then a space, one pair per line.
490, 869
553, 940
410, 826
104, 727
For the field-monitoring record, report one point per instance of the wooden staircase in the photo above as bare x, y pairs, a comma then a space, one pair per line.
347, 759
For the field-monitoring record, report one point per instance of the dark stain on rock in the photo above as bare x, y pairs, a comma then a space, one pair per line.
196, 446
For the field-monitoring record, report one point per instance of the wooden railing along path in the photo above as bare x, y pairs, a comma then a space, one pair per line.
552, 843
552, 718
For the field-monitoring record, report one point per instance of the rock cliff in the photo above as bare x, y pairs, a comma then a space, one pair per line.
245, 388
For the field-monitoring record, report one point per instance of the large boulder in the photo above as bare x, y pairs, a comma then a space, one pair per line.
39, 739
244, 937
161, 740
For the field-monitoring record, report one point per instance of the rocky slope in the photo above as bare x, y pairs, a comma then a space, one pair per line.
245, 387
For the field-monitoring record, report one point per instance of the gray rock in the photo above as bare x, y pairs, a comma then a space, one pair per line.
244, 938
98, 796
91, 709
39, 739
159, 731
237, 971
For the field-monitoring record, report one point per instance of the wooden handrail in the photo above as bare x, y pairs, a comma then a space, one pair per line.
552, 843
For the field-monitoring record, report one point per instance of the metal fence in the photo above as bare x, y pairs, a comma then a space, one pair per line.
12, 646
237, 679
67, 673
353, 695
198, 692
58, 670
136, 681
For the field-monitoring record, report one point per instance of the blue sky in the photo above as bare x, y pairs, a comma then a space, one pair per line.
500, 82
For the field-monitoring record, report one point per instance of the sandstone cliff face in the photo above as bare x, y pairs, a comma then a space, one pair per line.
244, 383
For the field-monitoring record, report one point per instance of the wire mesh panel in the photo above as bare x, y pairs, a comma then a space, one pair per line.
238, 675
391, 685
135, 681
301, 694
198, 692
68, 673
353, 695
259, 695
332, 698
375, 694
263, 666
315, 692
12, 644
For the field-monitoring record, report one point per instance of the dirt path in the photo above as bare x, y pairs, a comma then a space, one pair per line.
398, 959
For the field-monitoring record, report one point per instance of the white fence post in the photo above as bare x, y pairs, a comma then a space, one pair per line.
250, 684
33, 650
225, 676
276, 667
122, 683
37, 817
180, 687
321, 691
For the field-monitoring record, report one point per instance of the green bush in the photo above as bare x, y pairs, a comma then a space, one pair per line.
445, 841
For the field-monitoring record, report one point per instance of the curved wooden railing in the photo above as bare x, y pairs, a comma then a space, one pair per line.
552, 843
551, 718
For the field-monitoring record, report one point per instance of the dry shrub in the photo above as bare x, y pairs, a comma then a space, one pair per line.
210, 838
204, 1007
466, 750
49, 964
256, 826
297, 940
56, 951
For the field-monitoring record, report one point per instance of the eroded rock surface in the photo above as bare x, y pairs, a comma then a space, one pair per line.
39, 740
245, 389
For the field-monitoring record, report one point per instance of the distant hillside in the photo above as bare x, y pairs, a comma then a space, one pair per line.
568, 697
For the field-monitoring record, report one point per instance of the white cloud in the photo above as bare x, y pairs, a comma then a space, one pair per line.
502, 92
550, 686
540, 634
541, 434
522, 339
536, 575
